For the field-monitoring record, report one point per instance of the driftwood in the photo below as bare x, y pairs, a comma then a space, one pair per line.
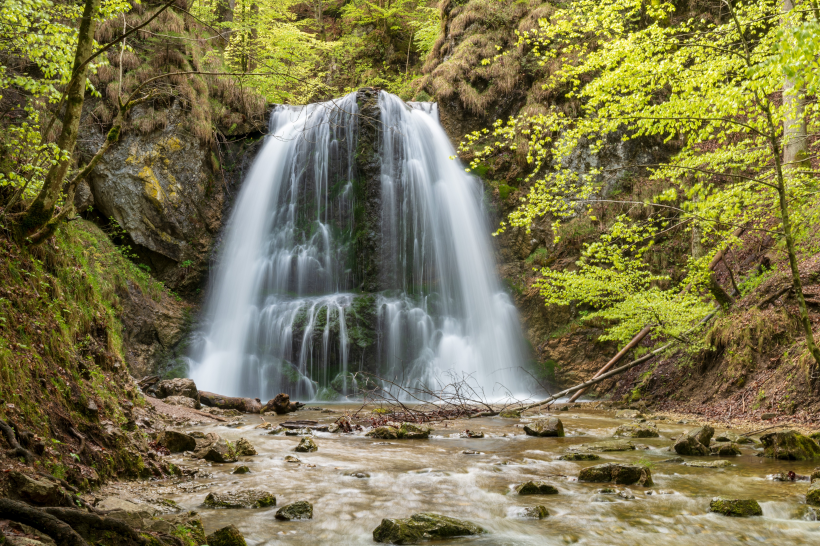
282, 404
246, 405
58, 530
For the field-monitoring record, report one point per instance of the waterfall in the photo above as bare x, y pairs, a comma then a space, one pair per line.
288, 311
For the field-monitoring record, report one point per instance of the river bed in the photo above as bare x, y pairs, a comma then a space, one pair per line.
436, 475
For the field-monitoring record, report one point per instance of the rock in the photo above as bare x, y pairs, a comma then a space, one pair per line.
510, 414
739, 508
176, 442
185, 388
628, 414
694, 442
247, 498
725, 450
673, 460
307, 445
537, 512
37, 491
299, 432
768, 416
217, 452
292, 459
471, 434
125, 511
278, 430
624, 474
295, 510
182, 401
384, 433
813, 494
605, 447
281, 405
246, 405
536, 488
579, 457
241, 470
423, 526
722, 463
815, 474
637, 430
405, 431
626, 494
790, 446
551, 427
470, 452
359, 475
227, 536
243, 448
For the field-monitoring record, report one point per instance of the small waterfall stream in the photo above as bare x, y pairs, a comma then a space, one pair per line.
288, 311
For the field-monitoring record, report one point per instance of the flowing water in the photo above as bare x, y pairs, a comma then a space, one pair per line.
435, 475
288, 311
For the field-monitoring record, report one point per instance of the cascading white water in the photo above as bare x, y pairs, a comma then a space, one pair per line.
283, 315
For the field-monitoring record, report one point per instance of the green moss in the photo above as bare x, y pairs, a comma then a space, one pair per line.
739, 508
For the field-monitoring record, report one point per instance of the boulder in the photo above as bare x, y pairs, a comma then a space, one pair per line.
247, 498
624, 474
37, 491
243, 448
733, 438
579, 457
628, 414
246, 405
177, 387
551, 427
536, 488
227, 536
790, 446
423, 526
694, 442
307, 445
295, 510
404, 431
510, 414
281, 405
815, 474
384, 433
537, 512
176, 442
813, 494
725, 450
739, 508
135, 515
217, 452
183, 401
241, 470
637, 430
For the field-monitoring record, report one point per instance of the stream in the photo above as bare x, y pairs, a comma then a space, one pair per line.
402, 477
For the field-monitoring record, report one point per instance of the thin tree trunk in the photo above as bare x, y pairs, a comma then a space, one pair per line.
795, 138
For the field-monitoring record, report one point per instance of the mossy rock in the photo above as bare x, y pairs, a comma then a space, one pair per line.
296, 510
725, 450
536, 488
227, 536
536, 512
544, 428
813, 494
722, 463
409, 431
423, 526
606, 447
241, 470
738, 508
307, 445
249, 498
384, 433
622, 474
579, 457
789, 446
637, 430
243, 448
510, 414
695, 441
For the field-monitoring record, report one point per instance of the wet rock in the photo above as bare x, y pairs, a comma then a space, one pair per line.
815, 474
241, 470
536, 488
227, 536
176, 442
623, 474
579, 457
217, 452
359, 475
694, 442
281, 404
628, 414
626, 494
125, 511
732, 437
537, 512
471, 434
637, 430
298, 432
551, 427
177, 387
182, 401
471, 452
605, 447
296, 510
722, 463
790, 446
725, 450
248, 498
276, 431
813, 494
739, 508
384, 433
673, 460
292, 459
404, 431
307, 445
36, 491
510, 414
243, 448
423, 526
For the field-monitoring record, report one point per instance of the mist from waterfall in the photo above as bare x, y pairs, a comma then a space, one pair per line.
286, 312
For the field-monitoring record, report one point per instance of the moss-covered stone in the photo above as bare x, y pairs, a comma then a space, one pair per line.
695, 441
813, 494
579, 457
422, 526
722, 463
409, 431
227, 536
789, 446
551, 427
537, 512
248, 498
637, 430
725, 450
296, 510
605, 447
536, 488
510, 414
739, 508
241, 470
384, 433
624, 474
307, 445
243, 448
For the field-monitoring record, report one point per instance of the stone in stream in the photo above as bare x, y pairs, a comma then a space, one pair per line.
813, 494
292, 459
423, 526
295, 510
217, 452
243, 448
637, 430
471, 434
739, 508
227, 536
176, 442
721, 463
579, 457
298, 432
404, 431
551, 427
536, 488
815, 474
307, 445
694, 442
725, 450
628, 414
241, 470
537, 512
276, 431
510, 414
623, 474
790, 446
247, 498
605, 447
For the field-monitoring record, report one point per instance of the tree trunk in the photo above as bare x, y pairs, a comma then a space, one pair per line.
41, 210
795, 138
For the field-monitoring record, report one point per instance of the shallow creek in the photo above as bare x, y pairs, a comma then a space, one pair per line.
409, 476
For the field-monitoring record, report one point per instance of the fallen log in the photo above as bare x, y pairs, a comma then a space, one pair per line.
281, 404
246, 405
